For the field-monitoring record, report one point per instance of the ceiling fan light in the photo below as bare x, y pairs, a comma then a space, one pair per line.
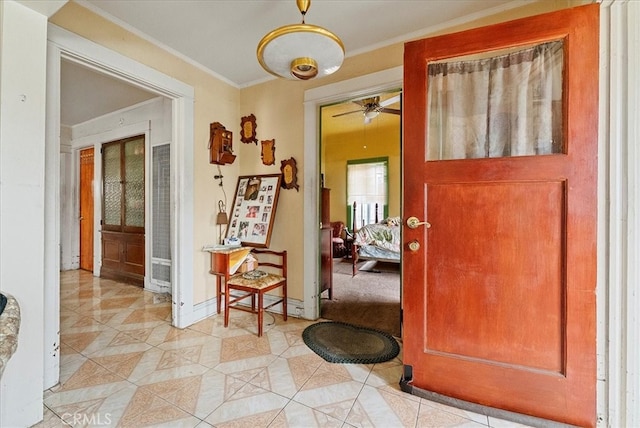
304, 68
281, 48
370, 114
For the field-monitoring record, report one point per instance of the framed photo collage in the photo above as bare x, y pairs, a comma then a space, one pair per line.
254, 208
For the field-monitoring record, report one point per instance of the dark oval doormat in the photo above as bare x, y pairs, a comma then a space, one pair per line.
339, 342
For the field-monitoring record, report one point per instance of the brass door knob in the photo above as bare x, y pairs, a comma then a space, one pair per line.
414, 222
414, 245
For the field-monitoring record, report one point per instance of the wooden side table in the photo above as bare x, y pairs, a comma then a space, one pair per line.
326, 261
221, 262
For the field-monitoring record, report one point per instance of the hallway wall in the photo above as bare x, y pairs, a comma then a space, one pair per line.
23, 48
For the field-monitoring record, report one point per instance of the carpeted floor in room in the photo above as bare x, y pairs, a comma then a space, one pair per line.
369, 299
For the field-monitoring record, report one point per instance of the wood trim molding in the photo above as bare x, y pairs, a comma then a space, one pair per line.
313, 99
619, 225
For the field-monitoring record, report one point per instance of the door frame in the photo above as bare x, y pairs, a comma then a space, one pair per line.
96, 141
617, 291
66, 45
313, 99
63, 44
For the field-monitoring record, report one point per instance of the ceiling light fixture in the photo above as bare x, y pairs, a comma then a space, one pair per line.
370, 114
301, 51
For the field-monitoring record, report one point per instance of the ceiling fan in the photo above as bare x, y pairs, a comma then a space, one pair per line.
372, 107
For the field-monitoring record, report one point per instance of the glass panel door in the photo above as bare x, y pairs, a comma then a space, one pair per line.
112, 190
134, 182
123, 185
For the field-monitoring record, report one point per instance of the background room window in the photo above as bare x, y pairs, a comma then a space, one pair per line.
367, 185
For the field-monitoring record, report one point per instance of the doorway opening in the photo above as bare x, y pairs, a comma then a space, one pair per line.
66, 46
360, 141
314, 99
117, 154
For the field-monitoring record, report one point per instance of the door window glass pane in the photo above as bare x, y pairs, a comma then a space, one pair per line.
134, 183
508, 104
112, 186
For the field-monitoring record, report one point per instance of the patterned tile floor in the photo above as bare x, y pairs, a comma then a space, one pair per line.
123, 364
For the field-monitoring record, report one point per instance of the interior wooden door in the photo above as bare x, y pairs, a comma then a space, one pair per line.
123, 210
86, 209
499, 298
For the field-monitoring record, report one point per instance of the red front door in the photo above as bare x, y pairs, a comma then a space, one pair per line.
499, 298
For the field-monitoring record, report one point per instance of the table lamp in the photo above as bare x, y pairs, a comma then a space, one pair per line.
221, 219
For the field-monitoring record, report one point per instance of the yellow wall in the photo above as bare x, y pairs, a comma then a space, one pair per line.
278, 106
380, 138
272, 109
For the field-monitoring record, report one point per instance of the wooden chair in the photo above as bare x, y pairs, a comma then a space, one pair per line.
252, 287
337, 240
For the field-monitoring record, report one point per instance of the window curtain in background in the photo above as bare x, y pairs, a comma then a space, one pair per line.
507, 105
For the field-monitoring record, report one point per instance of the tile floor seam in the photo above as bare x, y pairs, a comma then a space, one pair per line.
227, 399
172, 404
281, 410
52, 411
355, 401
163, 399
302, 388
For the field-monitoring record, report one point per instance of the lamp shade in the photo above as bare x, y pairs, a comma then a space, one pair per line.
222, 218
300, 51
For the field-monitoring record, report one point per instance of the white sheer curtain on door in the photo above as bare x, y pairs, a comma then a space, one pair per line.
506, 105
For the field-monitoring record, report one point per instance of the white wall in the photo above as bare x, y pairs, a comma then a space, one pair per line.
23, 53
152, 110
69, 259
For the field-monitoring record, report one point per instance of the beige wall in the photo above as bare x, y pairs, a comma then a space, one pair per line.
278, 107
279, 117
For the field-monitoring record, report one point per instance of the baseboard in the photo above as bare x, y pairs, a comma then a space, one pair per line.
156, 288
295, 308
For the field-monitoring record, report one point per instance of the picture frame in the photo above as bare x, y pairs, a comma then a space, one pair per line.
268, 152
254, 208
290, 174
248, 129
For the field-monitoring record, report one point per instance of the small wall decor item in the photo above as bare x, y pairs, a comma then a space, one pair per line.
248, 129
254, 208
268, 153
289, 174
220, 144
